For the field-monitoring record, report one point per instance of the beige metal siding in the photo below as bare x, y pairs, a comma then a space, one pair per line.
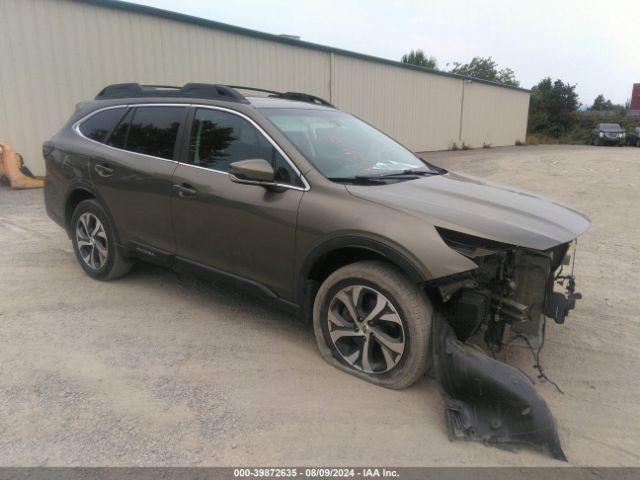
55, 53
493, 115
420, 110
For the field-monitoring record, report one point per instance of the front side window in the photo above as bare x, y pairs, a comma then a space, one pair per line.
98, 126
220, 138
153, 130
342, 146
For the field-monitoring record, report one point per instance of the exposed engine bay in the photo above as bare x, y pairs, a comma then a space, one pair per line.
506, 300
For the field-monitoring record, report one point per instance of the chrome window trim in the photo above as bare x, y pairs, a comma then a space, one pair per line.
76, 128
271, 184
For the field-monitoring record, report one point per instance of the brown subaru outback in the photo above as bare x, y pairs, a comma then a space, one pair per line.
400, 264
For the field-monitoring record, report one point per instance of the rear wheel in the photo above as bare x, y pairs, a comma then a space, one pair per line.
373, 322
94, 242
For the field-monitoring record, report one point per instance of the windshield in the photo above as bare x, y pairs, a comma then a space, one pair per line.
340, 146
610, 127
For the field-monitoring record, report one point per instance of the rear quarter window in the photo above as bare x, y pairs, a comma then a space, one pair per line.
98, 126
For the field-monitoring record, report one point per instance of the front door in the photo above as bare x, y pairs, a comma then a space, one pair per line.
245, 230
133, 172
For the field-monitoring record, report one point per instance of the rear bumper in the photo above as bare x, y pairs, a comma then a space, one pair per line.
54, 216
53, 201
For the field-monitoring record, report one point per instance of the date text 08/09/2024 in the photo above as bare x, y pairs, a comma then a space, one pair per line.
315, 472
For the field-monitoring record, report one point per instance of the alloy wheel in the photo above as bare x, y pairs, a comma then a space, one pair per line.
92, 240
366, 329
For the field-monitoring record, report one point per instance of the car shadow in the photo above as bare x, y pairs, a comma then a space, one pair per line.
255, 310
213, 294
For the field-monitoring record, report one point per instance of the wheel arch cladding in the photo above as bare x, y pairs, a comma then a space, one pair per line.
75, 196
80, 194
338, 252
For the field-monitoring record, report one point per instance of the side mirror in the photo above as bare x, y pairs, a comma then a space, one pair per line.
256, 171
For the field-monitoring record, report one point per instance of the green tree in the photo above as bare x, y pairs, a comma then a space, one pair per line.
552, 108
417, 57
486, 68
600, 104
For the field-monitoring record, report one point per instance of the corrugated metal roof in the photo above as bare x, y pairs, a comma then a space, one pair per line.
181, 17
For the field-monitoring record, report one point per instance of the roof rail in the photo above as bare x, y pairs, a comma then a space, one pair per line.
191, 90
254, 89
300, 97
200, 90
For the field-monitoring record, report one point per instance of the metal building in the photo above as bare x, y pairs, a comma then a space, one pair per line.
634, 110
55, 53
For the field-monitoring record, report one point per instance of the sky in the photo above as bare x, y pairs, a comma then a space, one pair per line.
593, 44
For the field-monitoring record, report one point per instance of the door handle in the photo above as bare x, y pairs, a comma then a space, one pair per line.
103, 170
185, 190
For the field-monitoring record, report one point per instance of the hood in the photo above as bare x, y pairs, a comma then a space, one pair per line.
481, 208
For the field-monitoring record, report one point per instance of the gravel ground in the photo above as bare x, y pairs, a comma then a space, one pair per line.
161, 369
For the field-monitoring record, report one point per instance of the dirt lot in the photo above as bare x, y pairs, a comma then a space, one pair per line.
160, 369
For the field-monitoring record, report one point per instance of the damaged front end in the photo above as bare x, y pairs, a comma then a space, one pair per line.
504, 301
487, 400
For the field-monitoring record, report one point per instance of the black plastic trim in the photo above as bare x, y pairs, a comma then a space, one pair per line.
487, 400
395, 257
150, 254
189, 90
77, 187
183, 264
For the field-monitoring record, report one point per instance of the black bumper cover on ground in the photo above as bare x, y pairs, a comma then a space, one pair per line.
487, 400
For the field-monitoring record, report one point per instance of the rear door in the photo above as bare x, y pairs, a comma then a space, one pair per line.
243, 230
132, 172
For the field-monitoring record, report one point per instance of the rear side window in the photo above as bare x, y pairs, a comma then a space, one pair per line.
118, 137
153, 130
148, 130
99, 126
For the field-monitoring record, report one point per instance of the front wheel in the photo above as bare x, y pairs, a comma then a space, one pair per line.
372, 321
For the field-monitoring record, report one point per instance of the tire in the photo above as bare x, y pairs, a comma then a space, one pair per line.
396, 337
94, 242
